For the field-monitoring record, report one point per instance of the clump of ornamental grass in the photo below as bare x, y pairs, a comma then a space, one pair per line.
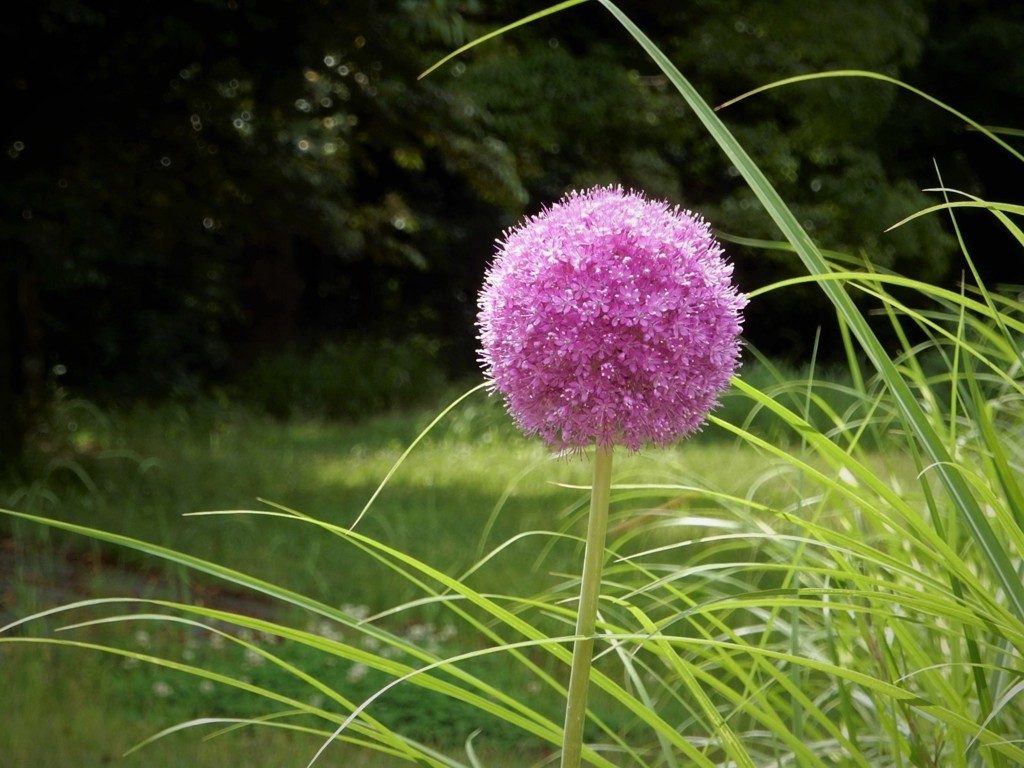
850, 608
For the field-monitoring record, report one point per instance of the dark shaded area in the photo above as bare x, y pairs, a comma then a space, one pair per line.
188, 188
971, 61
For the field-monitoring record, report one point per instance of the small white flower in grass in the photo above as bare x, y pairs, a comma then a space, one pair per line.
357, 612
357, 672
328, 631
419, 632
162, 690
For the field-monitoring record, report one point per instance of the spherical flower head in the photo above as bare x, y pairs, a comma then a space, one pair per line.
610, 319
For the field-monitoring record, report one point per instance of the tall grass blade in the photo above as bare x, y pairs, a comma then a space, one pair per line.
507, 28
860, 73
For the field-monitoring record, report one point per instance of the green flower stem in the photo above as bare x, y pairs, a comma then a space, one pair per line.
586, 617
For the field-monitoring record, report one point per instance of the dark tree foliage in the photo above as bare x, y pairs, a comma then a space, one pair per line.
818, 142
972, 61
188, 184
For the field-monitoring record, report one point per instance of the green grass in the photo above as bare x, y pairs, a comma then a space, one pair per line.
68, 708
471, 485
138, 472
781, 581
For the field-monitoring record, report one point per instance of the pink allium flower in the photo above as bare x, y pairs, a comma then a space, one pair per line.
610, 318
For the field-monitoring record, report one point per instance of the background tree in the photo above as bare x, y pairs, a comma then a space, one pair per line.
971, 60
820, 143
189, 185
188, 182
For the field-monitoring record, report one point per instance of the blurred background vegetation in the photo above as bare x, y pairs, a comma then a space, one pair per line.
221, 193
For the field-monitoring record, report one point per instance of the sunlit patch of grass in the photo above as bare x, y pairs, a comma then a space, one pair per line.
474, 480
